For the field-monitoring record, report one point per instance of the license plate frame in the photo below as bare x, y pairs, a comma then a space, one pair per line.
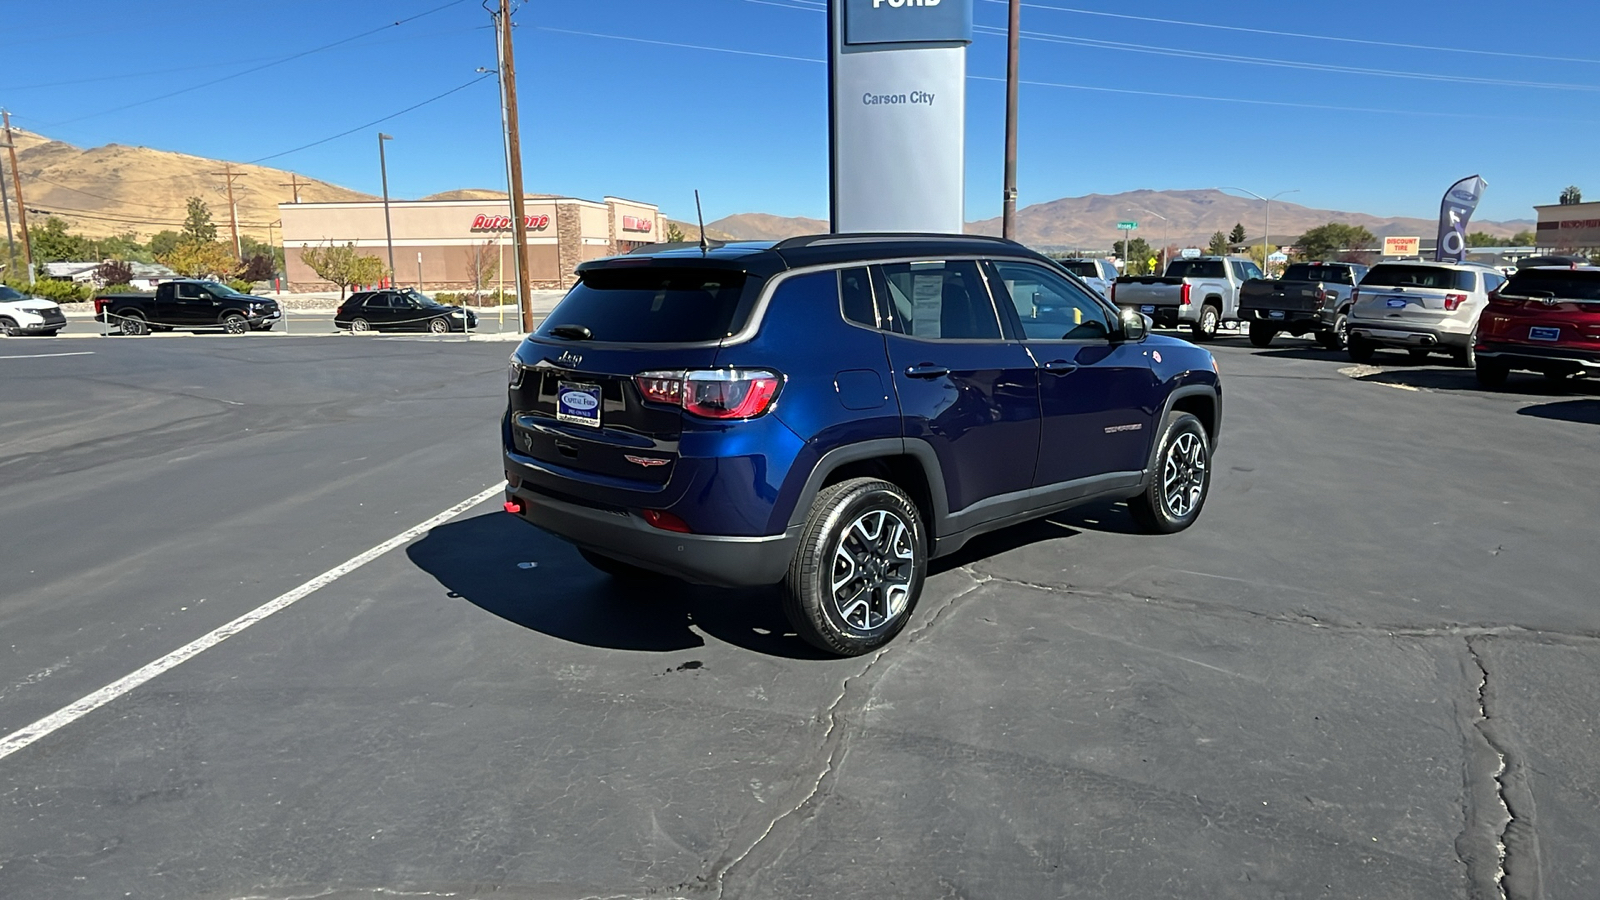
575, 413
1396, 303
1147, 308
1276, 314
1544, 333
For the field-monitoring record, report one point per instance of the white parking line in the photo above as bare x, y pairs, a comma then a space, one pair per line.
48, 355
65, 716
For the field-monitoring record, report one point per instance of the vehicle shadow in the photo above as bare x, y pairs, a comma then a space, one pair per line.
1110, 518
481, 559
1585, 411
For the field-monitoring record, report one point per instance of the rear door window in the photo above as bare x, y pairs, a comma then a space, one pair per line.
855, 297
656, 305
938, 299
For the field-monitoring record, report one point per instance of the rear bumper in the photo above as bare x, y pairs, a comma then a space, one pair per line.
1297, 318
718, 560
1164, 316
1525, 356
1409, 336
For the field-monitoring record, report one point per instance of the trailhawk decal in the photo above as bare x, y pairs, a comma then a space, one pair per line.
1116, 428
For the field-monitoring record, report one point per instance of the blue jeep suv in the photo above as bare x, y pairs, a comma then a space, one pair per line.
832, 412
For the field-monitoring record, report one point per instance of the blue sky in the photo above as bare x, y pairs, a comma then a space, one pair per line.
611, 104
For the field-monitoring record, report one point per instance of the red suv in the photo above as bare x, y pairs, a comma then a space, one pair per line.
1544, 319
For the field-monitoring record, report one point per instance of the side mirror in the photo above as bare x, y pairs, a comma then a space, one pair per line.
1134, 325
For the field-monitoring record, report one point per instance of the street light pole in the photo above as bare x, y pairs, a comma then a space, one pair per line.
1008, 226
1166, 233
1267, 222
388, 229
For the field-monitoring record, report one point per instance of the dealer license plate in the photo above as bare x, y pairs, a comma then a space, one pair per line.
1275, 314
578, 404
1544, 334
1147, 308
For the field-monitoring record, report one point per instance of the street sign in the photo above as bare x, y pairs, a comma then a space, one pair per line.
1128, 225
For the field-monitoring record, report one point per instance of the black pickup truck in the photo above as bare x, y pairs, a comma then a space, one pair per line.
1310, 298
188, 305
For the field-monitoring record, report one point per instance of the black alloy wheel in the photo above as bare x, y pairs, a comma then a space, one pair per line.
1338, 337
439, 325
234, 323
859, 569
1180, 481
132, 323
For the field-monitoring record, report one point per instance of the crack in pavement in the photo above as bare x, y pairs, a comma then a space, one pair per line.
835, 738
1519, 870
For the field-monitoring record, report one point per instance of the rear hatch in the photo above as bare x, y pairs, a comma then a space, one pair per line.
579, 404
1551, 308
1405, 296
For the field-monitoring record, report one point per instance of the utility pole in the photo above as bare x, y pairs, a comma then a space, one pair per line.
1008, 228
388, 230
16, 183
294, 182
519, 220
5, 203
233, 209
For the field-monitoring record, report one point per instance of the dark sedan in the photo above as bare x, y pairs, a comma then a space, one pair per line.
400, 310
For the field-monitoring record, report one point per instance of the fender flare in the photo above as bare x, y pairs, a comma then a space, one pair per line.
917, 449
1212, 393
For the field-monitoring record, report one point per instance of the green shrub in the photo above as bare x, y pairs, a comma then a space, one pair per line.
119, 289
50, 289
448, 298
241, 285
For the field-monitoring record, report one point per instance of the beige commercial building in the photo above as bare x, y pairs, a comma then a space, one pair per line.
462, 244
1569, 227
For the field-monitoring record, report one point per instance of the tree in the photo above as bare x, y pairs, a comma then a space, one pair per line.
1571, 196
674, 234
1237, 236
1523, 239
1482, 239
202, 259
1328, 241
197, 226
1218, 245
252, 247
53, 243
483, 262
259, 267
164, 242
342, 266
1134, 259
113, 272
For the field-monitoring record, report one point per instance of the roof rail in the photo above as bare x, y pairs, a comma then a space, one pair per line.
814, 240
675, 245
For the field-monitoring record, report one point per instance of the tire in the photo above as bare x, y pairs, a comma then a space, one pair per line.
1359, 348
1206, 328
859, 569
234, 323
1491, 374
1262, 335
1338, 337
618, 569
1418, 354
438, 326
9, 328
132, 323
1181, 481
1467, 357
360, 326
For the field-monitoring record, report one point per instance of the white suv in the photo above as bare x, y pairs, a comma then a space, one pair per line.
1420, 307
21, 314
1096, 273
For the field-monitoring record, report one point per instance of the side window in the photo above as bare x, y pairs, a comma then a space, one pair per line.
378, 301
1051, 307
188, 292
855, 297
936, 299
1251, 270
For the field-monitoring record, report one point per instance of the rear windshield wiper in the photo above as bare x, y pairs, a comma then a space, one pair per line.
572, 332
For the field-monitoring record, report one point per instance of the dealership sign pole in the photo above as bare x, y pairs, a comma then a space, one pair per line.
897, 72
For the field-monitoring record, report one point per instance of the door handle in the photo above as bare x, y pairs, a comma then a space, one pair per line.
1060, 366
927, 370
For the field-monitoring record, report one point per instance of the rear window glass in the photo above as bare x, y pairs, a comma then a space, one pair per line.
651, 306
1420, 276
1081, 268
1562, 284
1197, 268
1326, 274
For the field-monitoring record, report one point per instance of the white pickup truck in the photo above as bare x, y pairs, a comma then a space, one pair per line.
1199, 293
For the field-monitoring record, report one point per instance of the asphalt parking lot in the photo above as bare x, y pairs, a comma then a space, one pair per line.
1369, 666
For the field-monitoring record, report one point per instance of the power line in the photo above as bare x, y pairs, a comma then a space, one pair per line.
618, 37
1309, 37
279, 61
459, 87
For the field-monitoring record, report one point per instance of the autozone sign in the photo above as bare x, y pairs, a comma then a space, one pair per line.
634, 223
501, 223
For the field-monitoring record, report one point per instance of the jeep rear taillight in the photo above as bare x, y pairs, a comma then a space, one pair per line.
1186, 301
1452, 302
713, 393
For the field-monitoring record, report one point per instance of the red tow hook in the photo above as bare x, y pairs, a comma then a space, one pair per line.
514, 507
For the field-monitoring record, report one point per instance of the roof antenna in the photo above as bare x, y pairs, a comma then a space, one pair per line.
704, 247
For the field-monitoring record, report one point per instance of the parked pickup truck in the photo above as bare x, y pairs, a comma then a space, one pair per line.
1199, 293
1096, 273
1310, 298
187, 304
